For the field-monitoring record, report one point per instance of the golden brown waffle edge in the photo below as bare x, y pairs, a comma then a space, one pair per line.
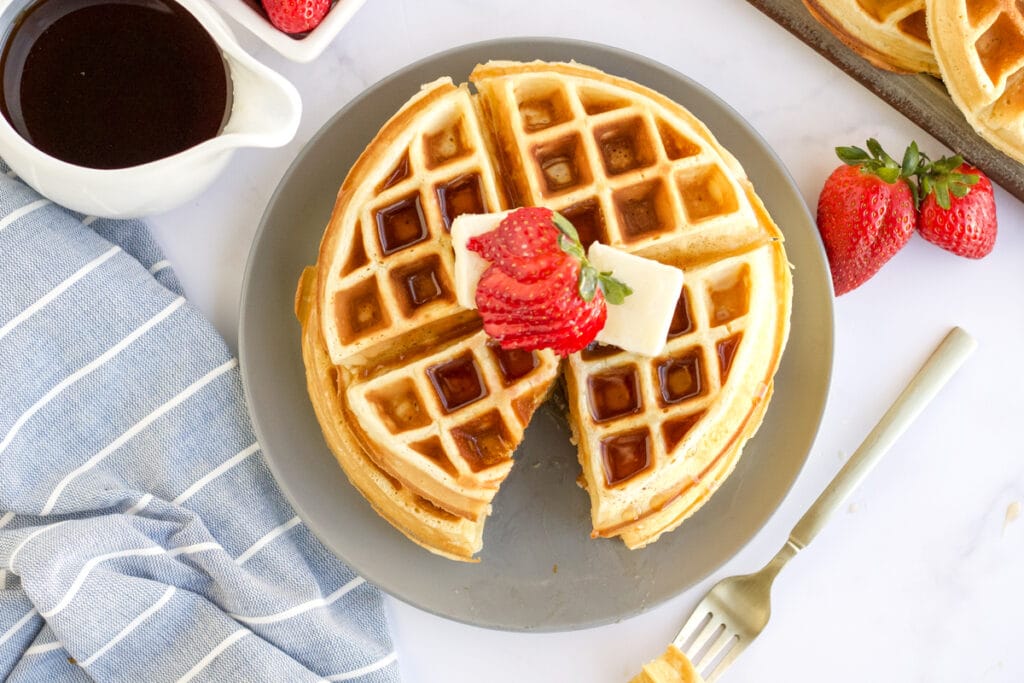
868, 28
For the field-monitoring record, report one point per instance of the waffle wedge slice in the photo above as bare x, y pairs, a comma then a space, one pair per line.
891, 34
651, 459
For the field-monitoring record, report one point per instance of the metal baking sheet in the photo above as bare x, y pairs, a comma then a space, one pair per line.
922, 99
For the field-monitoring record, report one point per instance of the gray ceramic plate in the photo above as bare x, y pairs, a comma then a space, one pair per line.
540, 571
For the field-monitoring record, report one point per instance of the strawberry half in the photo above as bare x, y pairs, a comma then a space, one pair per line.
540, 290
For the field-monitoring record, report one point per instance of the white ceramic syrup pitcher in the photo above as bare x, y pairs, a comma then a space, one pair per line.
265, 112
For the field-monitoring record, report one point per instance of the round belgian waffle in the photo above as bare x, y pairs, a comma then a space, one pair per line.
423, 411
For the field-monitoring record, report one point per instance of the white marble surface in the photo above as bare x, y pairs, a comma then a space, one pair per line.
922, 577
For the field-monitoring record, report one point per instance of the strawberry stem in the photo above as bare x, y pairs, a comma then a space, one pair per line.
922, 175
944, 179
590, 280
566, 227
874, 160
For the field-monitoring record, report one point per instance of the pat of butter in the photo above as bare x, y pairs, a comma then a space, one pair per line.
469, 265
640, 324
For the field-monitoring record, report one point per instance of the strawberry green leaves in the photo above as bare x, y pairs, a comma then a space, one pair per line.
922, 175
874, 160
568, 238
943, 177
870, 206
615, 291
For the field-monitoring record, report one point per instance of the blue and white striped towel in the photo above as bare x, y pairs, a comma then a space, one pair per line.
142, 536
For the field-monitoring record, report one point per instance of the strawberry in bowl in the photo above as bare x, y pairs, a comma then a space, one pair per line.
296, 16
300, 30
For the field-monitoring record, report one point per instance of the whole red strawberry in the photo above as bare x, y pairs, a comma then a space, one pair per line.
866, 212
959, 210
540, 291
296, 16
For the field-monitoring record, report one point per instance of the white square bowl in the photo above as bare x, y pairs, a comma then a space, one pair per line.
304, 49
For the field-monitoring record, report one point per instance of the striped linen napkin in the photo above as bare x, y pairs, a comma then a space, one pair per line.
142, 536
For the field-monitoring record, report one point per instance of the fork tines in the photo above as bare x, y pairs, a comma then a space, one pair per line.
708, 643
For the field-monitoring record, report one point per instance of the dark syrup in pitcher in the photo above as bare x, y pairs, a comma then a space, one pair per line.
112, 83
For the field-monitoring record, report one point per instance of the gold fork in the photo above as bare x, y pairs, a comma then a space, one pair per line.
737, 608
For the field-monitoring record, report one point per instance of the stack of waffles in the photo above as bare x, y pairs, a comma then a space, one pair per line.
975, 46
423, 411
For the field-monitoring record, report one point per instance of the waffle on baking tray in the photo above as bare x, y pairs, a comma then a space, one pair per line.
980, 50
423, 411
891, 34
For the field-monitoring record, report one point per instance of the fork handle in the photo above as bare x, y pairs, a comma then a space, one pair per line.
933, 375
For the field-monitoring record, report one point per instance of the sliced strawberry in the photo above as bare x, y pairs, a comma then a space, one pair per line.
524, 245
499, 287
540, 291
564, 336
